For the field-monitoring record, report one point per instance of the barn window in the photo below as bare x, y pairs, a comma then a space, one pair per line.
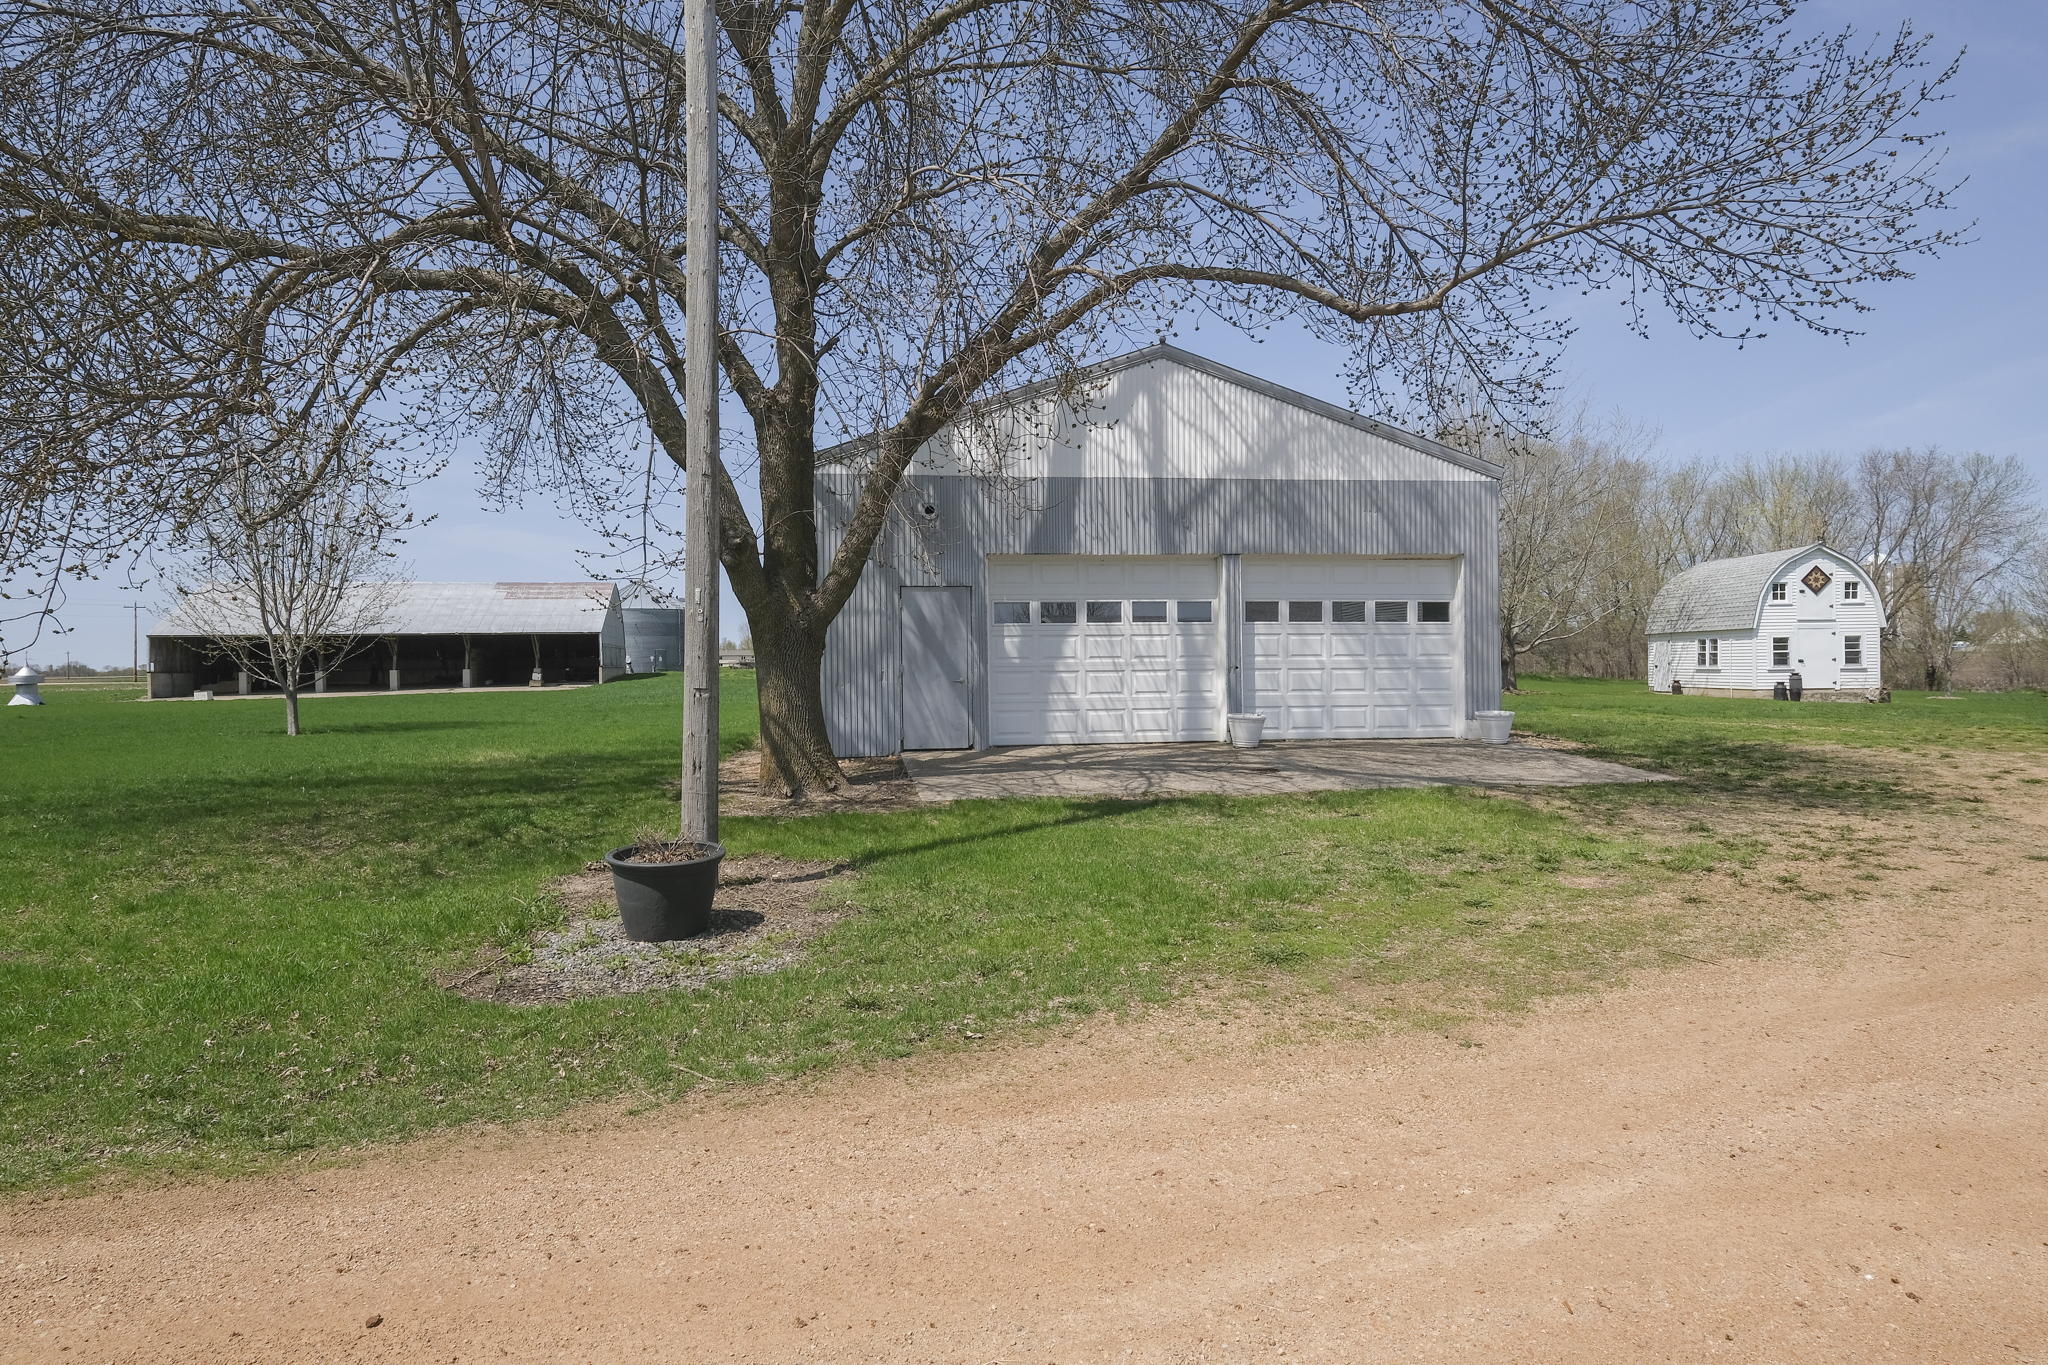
1347, 611
1304, 611
1432, 611
1851, 590
1262, 611
1778, 592
1709, 652
1781, 651
1390, 611
1852, 651
1105, 613
1192, 611
1056, 613
1013, 613
1148, 611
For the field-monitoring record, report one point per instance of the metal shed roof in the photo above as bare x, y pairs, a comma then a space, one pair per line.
471, 608
1722, 594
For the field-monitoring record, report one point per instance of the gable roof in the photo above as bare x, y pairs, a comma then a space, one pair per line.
458, 608
1724, 594
1215, 369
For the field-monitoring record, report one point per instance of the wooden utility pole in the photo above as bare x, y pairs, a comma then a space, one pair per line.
700, 404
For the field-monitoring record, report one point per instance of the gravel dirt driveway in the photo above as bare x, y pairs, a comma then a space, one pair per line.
1836, 1154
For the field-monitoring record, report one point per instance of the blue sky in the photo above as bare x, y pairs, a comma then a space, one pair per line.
1957, 357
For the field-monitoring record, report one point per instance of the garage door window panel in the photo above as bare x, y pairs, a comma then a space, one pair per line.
1433, 613
1304, 611
1056, 613
1105, 613
1194, 612
1390, 613
1013, 613
1347, 613
1148, 611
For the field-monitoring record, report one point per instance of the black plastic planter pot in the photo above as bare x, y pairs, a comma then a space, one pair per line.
663, 901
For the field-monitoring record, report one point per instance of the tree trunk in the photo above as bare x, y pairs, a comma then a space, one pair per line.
796, 750
291, 708
1507, 668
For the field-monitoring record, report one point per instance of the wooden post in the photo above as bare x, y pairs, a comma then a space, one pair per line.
700, 403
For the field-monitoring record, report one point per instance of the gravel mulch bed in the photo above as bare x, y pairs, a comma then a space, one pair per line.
767, 913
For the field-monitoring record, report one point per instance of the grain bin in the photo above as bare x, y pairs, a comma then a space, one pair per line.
654, 628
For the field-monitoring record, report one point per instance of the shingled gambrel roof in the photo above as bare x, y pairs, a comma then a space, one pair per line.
1722, 594
468, 608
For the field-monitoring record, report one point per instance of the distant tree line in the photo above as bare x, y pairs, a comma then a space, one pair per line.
1592, 526
71, 668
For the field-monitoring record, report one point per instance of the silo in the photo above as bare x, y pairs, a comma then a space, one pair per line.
654, 628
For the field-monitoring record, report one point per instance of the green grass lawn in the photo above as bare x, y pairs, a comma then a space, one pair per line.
218, 944
1629, 718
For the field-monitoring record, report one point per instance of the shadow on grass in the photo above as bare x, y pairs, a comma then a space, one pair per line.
392, 727
1772, 771
1077, 813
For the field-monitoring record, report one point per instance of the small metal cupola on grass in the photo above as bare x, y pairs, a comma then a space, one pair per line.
27, 684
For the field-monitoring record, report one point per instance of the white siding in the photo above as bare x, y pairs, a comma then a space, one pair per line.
1165, 420
1678, 657
1815, 623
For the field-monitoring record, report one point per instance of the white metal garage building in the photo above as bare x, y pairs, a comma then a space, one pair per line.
1194, 541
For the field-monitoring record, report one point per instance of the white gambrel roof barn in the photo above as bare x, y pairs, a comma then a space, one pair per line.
1738, 627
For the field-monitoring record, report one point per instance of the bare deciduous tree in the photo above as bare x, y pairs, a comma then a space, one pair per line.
1940, 532
211, 201
289, 573
1569, 508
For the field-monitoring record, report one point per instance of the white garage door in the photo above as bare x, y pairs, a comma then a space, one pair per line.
1103, 650
1346, 648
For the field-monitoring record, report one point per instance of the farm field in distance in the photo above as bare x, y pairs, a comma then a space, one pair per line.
220, 946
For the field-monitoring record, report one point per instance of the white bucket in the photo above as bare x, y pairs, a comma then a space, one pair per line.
1245, 730
1493, 726
203, 694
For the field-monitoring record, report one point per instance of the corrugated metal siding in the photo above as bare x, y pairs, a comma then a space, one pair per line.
1119, 516
611, 642
1164, 419
651, 633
